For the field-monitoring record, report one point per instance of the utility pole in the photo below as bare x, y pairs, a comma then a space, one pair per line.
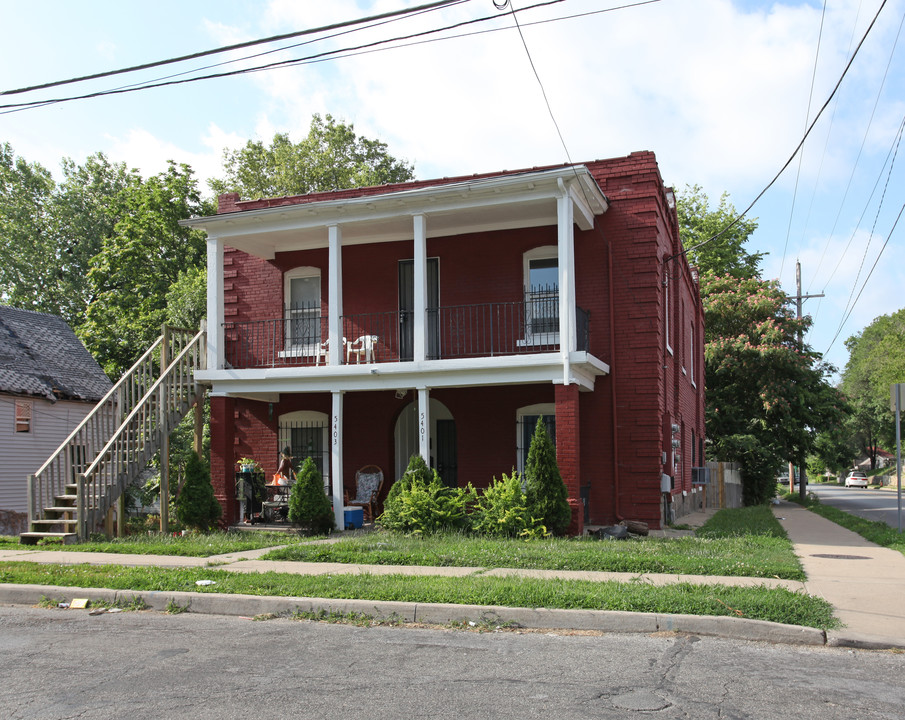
802, 474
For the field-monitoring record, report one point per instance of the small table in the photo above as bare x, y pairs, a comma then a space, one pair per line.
275, 507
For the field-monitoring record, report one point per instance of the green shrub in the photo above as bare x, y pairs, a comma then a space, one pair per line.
309, 506
502, 510
196, 506
419, 503
547, 496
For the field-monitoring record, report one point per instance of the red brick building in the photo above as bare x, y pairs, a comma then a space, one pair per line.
443, 317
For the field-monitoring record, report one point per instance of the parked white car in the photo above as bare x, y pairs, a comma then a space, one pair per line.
856, 478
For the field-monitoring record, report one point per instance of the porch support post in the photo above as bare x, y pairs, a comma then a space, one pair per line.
335, 295
420, 280
424, 424
566, 261
336, 459
568, 451
215, 334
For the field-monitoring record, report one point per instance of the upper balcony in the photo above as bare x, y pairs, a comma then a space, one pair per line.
482, 330
367, 260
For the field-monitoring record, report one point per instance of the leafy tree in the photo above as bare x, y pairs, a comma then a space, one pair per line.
876, 362
698, 223
309, 506
332, 156
131, 275
49, 233
26, 240
546, 493
186, 299
766, 396
196, 506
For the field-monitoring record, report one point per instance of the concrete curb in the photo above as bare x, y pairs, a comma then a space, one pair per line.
443, 614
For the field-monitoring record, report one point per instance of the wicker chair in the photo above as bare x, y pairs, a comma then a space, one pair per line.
368, 482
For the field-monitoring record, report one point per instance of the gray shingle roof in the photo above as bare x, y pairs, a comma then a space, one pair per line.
40, 355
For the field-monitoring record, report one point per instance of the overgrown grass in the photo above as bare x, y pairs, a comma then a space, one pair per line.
774, 604
873, 530
746, 542
190, 545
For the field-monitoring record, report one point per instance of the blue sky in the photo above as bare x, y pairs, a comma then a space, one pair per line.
719, 90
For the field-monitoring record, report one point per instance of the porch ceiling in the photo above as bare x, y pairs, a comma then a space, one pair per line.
503, 203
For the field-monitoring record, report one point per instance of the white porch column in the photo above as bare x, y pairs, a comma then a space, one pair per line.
336, 459
215, 334
566, 261
424, 424
420, 294
335, 295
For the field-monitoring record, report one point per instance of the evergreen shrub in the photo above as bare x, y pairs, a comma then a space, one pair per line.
309, 506
196, 506
547, 496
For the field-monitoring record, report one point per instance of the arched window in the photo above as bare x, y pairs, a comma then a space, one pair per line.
525, 422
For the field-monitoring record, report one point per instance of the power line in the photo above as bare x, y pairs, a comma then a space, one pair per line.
327, 55
237, 46
785, 248
794, 152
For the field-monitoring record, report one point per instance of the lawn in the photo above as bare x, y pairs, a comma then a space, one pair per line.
189, 545
744, 542
761, 603
739, 542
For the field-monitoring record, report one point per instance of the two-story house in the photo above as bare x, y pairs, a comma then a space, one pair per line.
443, 317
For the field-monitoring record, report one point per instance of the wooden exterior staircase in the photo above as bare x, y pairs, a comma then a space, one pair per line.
72, 493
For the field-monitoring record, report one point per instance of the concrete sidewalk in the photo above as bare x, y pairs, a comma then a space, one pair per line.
864, 582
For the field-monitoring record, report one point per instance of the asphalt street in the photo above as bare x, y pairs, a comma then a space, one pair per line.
67, 664
871, 504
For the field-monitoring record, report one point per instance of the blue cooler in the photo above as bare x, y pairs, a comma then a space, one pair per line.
353, 517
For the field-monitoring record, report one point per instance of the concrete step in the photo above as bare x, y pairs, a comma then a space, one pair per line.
56, 521
31, 538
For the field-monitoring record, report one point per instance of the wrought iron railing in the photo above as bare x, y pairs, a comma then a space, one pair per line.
524, 326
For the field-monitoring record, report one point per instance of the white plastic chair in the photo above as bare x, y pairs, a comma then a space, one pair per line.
364, 346
323, 352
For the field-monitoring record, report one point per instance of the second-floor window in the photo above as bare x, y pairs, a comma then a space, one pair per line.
302, 297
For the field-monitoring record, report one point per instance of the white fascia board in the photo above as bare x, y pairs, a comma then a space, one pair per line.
475, 372
488, 192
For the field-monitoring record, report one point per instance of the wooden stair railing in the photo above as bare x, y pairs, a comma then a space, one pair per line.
72, 492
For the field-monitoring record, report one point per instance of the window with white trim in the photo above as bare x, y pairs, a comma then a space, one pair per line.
541, 275
692, 349
302, 301
23, 415
526, 422
668, 308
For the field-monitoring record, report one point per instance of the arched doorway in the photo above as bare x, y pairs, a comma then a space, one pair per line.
443, 444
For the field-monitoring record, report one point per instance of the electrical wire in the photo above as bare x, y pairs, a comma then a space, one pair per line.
330, 55
15, 107
238, 46
849, 308
788, 162
785, 248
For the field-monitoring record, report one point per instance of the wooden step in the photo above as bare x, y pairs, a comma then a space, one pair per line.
55, 521
31, 538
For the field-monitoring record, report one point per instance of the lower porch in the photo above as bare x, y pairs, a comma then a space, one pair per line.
469, 435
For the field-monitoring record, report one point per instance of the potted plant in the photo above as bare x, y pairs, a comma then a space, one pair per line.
248, 465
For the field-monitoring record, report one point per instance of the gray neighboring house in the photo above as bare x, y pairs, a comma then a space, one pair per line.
48, 383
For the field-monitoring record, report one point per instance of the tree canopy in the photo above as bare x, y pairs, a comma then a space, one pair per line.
876, 362
331, 157
767, 395
698, 224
